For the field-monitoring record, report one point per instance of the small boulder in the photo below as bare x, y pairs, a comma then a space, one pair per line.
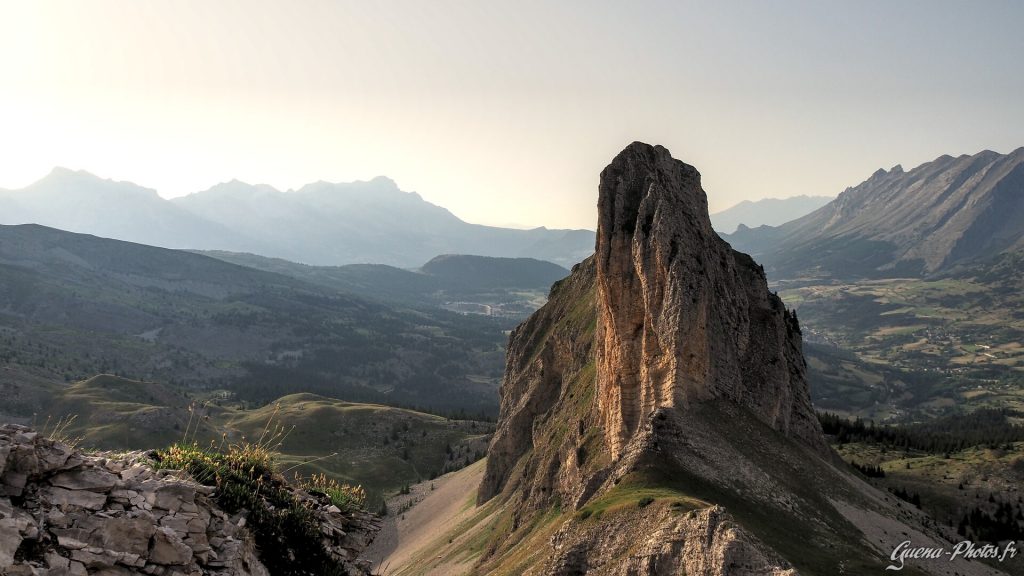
167, 549
92, 479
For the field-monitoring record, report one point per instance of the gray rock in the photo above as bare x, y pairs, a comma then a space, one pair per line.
167, 549
169, 495
13, 483
10, 540
72, 538
93, 558
5, 451
57, 562
93, 479
71, 499
58, 458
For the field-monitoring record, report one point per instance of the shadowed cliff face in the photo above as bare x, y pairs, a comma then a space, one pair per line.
681, 316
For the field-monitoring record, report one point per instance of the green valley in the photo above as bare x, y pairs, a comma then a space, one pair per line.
378, 447
906, 348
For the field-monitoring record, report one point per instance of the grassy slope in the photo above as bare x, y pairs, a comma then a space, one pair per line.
980, 471
379, 447
810, 534
24, 393
776, 489
115, 413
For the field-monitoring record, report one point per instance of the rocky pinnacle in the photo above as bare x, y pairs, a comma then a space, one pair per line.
682, 317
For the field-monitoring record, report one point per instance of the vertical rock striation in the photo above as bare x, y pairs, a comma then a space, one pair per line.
682, 317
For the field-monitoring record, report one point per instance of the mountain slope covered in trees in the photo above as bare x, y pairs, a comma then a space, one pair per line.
72, 306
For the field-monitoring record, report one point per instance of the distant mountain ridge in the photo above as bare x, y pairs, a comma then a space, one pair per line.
321, 223
77, 201
494, 272
510, 287
766, 212
944, 213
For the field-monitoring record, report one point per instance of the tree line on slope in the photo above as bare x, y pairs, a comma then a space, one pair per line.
990, 427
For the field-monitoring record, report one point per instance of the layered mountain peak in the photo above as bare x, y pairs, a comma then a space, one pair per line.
62, 180
663, 386
321, 223
234, 189
384, 182
379, 185
925, 221
62, 172
681, 316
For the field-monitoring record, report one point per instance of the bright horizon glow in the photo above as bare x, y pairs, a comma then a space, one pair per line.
502, 112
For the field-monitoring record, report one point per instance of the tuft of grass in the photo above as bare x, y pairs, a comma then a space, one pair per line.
246, 478
59, 431
639, 491
345, 496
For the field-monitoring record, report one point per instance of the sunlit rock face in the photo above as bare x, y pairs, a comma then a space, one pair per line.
682, 317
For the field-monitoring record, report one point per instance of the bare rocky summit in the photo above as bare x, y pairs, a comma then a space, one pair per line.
66, 513
682, 317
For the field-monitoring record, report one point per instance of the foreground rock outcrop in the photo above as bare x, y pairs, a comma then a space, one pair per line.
66, 513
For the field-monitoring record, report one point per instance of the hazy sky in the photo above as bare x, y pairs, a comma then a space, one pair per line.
503, 112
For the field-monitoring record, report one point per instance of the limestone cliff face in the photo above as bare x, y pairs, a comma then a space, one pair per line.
655, 415
664, 315
682, 317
